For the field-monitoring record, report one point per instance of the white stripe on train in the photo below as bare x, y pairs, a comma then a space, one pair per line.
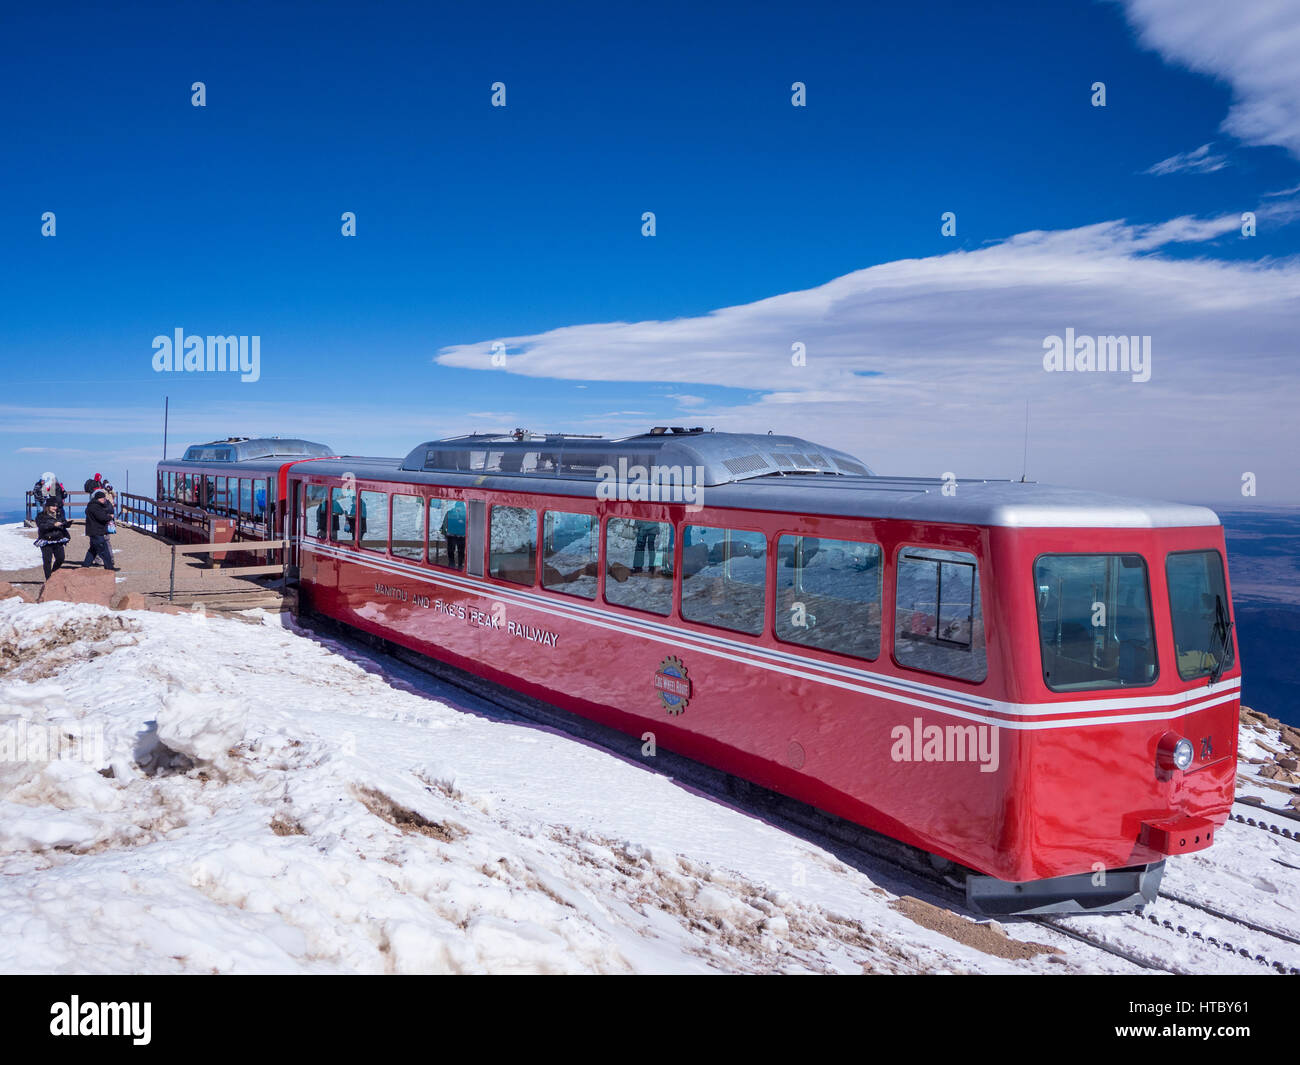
764, 658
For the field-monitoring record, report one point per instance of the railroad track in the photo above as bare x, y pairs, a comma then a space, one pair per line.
852, 843
1221, 942
1257, 819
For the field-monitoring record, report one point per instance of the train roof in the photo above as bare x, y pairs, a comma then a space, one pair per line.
247, 449
718, 458
1013, 504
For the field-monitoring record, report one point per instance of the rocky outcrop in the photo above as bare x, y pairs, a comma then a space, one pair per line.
89, 585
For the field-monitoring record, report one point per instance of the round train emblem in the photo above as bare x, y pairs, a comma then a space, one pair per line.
673, 685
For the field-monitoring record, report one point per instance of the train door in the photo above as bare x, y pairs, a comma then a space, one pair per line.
292, 522
474, 543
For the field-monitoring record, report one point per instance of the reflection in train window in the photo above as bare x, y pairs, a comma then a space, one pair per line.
372, 521
512, 554
569, 562
316, 508
639, 564
447, 533
1198, 600
343, 505
1094, 621
408, 527
939, 623
724, 577
828, 594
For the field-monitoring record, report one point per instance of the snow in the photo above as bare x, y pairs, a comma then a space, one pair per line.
16, 548
242, 796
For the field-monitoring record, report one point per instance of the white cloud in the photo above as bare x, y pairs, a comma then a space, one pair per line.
1198, 161
1253, 45
957, 343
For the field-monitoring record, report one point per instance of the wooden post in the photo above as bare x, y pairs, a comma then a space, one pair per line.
171, 590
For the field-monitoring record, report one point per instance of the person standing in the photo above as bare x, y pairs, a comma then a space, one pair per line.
99, 523
47, 488
51, 535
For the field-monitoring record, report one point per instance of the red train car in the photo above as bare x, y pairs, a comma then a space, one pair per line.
230, 490
1038, 684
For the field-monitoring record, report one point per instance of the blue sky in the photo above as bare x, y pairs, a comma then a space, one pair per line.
775, 225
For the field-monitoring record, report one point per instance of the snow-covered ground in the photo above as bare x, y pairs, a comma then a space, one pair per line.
16, 548
245, 797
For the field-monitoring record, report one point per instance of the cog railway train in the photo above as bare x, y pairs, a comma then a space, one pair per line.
1037, 684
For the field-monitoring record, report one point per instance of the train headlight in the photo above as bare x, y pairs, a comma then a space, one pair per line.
1174, 752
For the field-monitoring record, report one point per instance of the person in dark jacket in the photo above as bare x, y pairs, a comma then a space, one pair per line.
51, 535
99, 516
47, 488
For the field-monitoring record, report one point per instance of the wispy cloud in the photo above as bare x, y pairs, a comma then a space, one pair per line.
1253, 45
1198, 161
955, 343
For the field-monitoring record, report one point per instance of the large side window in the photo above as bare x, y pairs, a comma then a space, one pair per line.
569, 557
408, 527
259, 499
828, 594
447, 533
512, 555
724, 577
245, 497
343, 506
1094, 621
639, 564
1198, 600
938, 620
372, 520
315, 510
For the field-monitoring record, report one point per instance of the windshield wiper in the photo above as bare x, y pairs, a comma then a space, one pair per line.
1224, 626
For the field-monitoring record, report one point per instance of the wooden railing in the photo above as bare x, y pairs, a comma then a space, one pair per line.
226, 548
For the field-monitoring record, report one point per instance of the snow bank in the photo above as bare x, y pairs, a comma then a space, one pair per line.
17, 551
246, 798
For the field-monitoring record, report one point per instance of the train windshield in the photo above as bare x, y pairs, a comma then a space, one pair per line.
1198, 600
1094, 621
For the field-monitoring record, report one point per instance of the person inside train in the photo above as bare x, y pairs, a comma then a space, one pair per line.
51, 537
453, 528
647, 534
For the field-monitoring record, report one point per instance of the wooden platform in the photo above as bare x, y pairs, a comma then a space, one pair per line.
144, 563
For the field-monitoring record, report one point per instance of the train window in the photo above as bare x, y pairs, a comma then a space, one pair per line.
1094, 621
639, 565
209, 492
372, 521
569, 562
512, 554
343, 505
1198, 600
316, 508
828, 594
222, 499
447, 533
245, 497
408, 527
724, 577
259, 500
938, 621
